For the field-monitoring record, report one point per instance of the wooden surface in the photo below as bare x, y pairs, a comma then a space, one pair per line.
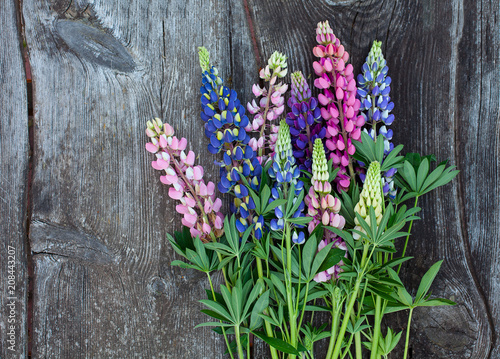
13, 187
103, 286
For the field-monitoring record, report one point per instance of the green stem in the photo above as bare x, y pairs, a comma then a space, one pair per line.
407, 237
223, 330
350, 306
291, 310
335, 319
241, 355
267, 325
376, 330
408, 334
352, 301
348, 346
248, 347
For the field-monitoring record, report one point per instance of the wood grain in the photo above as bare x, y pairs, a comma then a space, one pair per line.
104, 286
14, 148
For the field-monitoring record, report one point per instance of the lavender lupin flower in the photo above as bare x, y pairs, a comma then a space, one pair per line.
376, 105
225, 123
305, 121
269, 106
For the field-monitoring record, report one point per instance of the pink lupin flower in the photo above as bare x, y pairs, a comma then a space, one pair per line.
324, 208
340, 106
198, 204
268, 106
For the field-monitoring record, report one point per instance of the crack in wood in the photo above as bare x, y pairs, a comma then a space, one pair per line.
56, 239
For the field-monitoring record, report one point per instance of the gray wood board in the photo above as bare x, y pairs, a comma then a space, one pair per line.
13, 187
104, 286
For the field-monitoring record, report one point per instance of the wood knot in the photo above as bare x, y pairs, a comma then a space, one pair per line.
94, 45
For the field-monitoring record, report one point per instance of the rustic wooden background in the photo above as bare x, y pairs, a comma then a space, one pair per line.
88, 222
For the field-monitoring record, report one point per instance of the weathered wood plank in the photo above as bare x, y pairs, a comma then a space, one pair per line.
104, 286
432, 51
14, 148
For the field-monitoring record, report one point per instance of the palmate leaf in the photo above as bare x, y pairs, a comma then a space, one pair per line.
427, 280
416, 180
368, 150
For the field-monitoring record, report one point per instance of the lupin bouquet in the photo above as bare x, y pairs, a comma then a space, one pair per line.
320, 197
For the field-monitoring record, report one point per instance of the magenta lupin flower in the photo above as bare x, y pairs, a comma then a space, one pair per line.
324, 208
268, 106
340, 106
198, 203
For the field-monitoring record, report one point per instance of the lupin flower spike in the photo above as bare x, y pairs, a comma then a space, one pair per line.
376, 105
225, 123
304, 120
268, 106
371, 196
324, 208
340, 106
198, 203
285, 172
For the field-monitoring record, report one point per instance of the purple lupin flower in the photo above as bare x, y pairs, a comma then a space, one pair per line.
305, 121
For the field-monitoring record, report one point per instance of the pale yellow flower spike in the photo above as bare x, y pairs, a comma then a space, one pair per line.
371, 196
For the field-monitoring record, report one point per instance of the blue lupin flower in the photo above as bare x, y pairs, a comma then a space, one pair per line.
373, 91
225, 123
285, 172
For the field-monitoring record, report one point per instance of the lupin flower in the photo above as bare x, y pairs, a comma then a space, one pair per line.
340, 106
285, 172
304, 121
371, 196
324, 208
198, 203
225, 123
376, 105
268, 106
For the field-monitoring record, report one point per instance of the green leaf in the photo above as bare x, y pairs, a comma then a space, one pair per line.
278, 344
300, 220
214, 314
271, 206
410, 176
393, 160
436, 302
218, 308
213, 324
308, 252
379, 149
422, 172
405, 297
320, 257
427, 280
278, 284
259, 307
264, 195
334, 257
